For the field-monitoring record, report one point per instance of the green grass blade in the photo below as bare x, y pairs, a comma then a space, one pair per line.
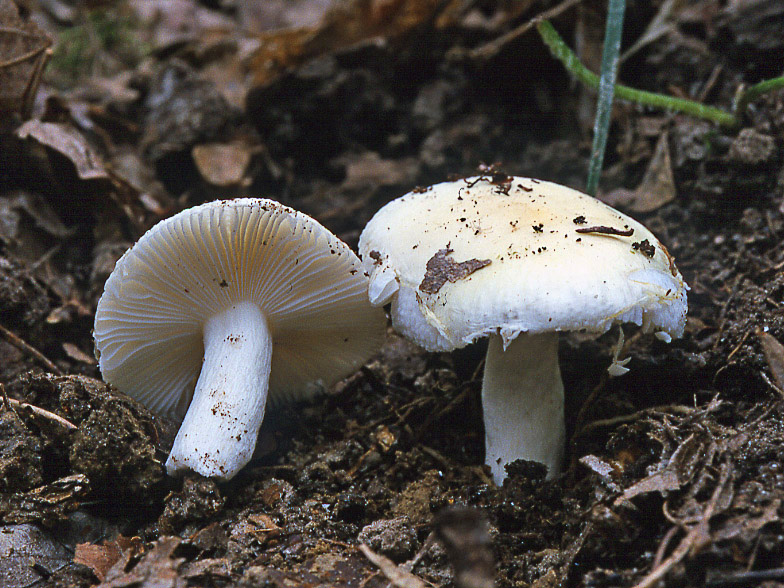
609, 71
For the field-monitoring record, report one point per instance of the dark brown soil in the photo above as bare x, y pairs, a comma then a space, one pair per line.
675, 470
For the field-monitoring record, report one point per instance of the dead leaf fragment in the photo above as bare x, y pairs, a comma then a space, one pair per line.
77, 354
208, 569
157, 569
345, 24
598, 465
657, 187
22, 545
369, 170
441, 270
739, 526
681, 467
99, 558
397, 575
49, 504
170, 22
66, 140
774, 354
222, 164
23, 56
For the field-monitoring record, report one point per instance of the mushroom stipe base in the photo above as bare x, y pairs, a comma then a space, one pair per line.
218, 435
522, 401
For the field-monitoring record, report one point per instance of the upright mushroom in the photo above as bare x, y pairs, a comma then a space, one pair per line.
518, 260
221, 304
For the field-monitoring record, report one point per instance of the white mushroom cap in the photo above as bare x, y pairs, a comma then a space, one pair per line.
540, 272
241, 256
518, 260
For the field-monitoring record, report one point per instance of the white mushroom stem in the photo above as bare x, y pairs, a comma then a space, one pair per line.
218, 435
522, 400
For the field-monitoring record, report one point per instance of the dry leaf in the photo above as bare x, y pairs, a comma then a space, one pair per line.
269, 15
681, 468
397, 575
23, 55
598, 465
346, 23
65, 139
157, 569
99, 558
774, 354
738, 526
367, 170
223, 164
171, 22
77, 354
662, 24
657, 187
21, 545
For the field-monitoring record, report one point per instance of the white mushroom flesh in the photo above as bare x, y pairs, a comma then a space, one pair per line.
237, 358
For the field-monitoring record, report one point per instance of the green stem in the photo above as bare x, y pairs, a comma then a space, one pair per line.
561, 51
755, 91
609, 71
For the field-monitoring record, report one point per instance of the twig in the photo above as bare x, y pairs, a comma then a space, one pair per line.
50, 416
695, 539
491, 49
665, 543
25, 347
754, 578
395, 574
10, 403
436, 456
602, 230
6, 400
625, 418
738, 346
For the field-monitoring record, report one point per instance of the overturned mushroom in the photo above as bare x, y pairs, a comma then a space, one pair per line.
543, 258
221, 304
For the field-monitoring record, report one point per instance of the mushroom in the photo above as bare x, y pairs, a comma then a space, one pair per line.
223, 303
517, 260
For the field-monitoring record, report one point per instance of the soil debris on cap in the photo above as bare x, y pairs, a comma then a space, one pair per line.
441, 270
644, 247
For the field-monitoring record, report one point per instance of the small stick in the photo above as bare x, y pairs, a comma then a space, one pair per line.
6, 402
50, 416
602, 230
25, 347
746, 578
491, 49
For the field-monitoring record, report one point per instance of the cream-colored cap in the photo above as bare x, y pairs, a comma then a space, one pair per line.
503, 254
309, 285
